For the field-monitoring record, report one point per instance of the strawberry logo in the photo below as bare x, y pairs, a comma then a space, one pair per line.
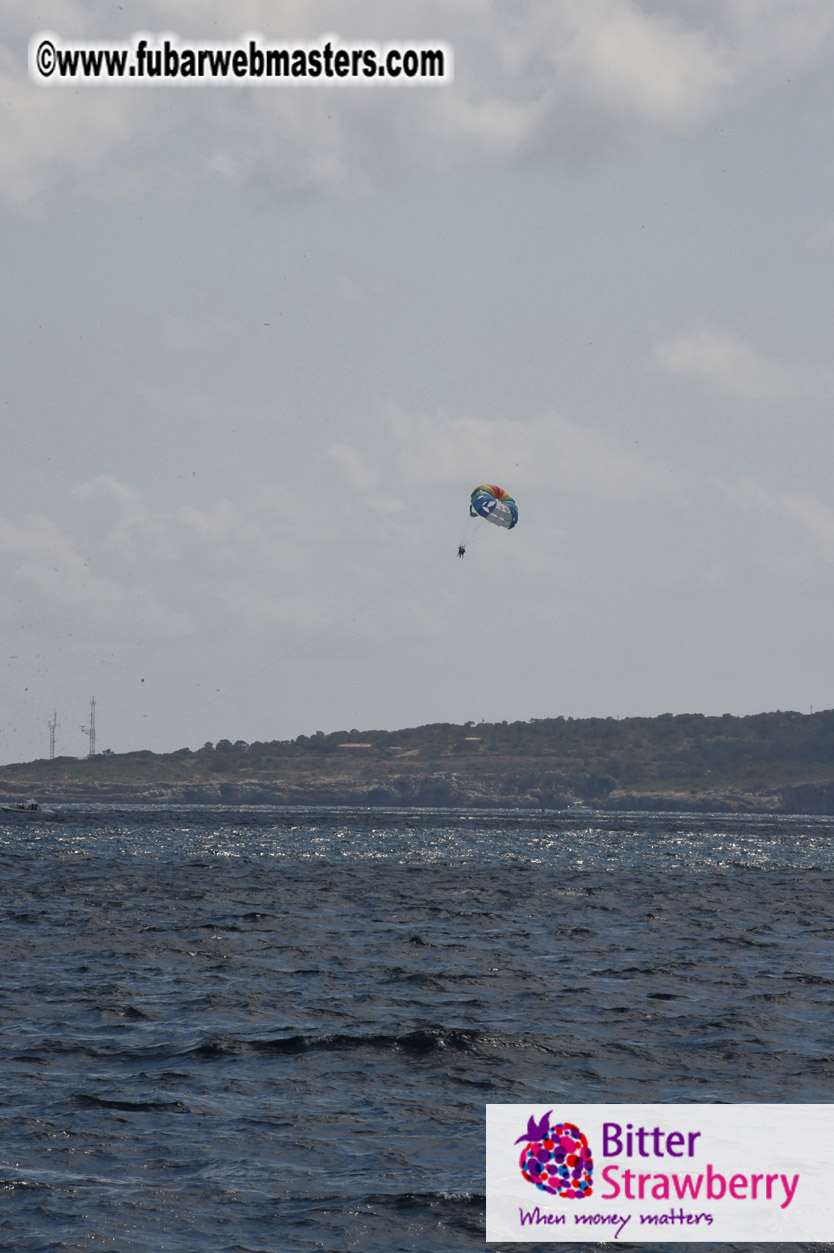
556, 1158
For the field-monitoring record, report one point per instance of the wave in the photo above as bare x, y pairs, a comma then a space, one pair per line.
418, 1043
463, 1213
86, 1100
421, 1042
419, 1200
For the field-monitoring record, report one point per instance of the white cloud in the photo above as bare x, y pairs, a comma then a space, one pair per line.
745, 495
352, 465
180, 334
37, 551
533, 77
813, 516
170, 571
631, 66
137, 524
385, 505
816, 517
720, 359
822, 238
105, 484
49, 133
548, 450
183, 403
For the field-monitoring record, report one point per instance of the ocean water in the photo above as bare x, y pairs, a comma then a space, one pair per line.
248, 1030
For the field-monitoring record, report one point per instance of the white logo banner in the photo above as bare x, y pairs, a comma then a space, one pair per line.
659, 1173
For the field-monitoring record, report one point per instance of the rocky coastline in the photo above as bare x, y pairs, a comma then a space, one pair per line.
439, 790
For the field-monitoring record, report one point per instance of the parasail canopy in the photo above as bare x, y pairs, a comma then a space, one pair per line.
494, 504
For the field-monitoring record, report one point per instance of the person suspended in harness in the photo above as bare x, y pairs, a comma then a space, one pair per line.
461, 550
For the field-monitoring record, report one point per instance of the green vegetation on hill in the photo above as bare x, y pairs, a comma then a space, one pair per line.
544, 761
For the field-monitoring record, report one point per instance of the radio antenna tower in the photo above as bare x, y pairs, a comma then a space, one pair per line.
53, 727
90, 731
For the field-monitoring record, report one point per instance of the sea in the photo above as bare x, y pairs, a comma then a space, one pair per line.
261, 1030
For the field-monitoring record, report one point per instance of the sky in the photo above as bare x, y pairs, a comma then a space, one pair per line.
260, 342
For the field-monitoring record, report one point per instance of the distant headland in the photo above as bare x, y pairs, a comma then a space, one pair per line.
780, 762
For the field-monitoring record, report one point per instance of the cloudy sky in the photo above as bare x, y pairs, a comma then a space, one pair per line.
260, 343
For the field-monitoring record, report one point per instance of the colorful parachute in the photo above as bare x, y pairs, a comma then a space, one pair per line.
494, 504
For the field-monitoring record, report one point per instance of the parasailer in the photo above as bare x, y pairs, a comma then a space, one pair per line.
494, 504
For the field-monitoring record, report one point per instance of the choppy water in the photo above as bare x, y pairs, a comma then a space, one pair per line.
254, 1030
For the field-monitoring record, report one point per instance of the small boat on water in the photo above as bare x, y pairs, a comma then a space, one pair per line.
26, 810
